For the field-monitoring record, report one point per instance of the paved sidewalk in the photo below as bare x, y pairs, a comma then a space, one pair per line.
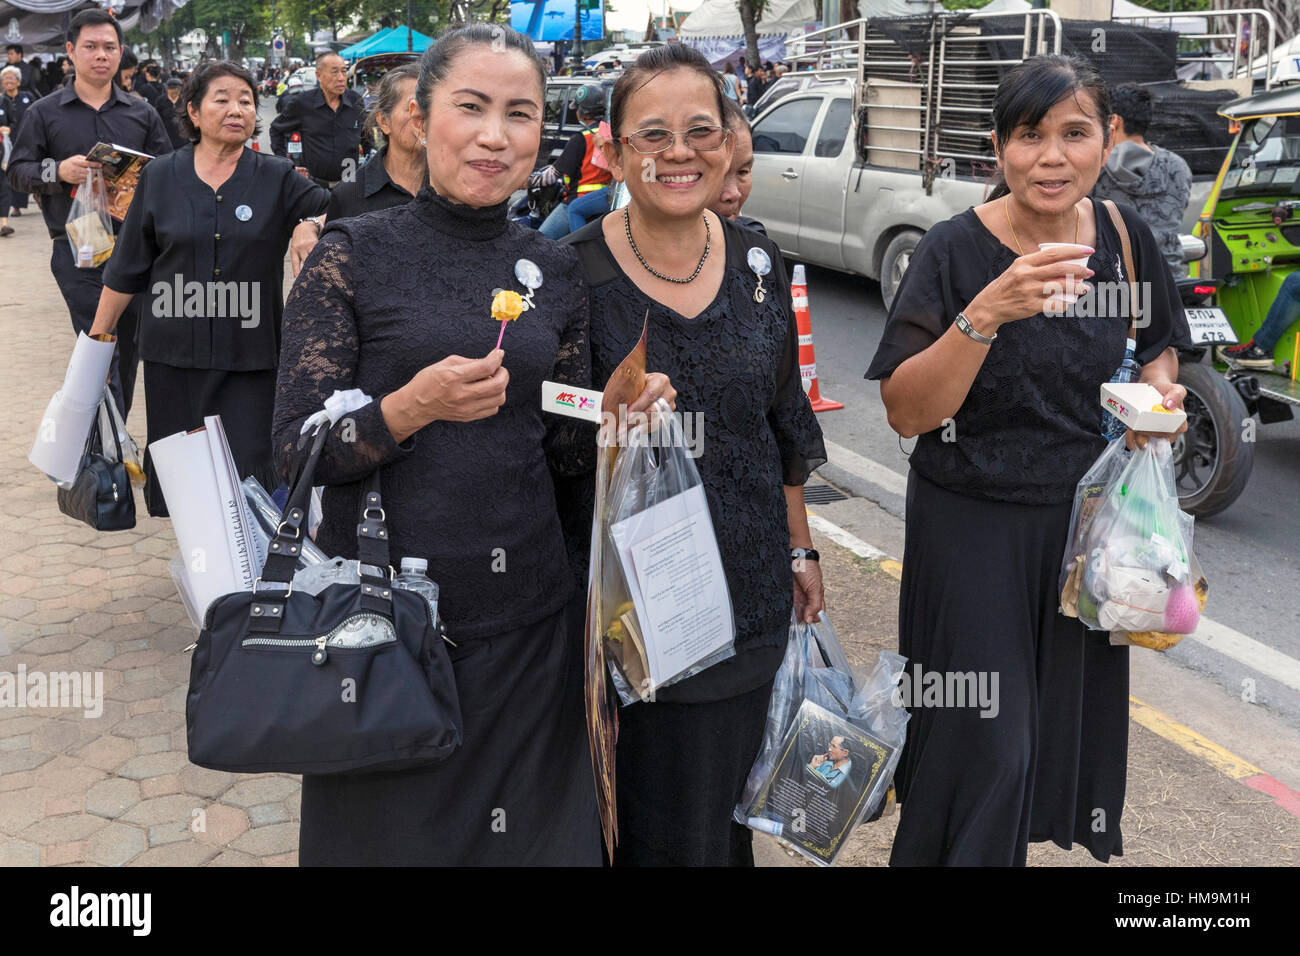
116, 789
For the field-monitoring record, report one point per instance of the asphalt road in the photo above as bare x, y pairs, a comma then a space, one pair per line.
1250, 552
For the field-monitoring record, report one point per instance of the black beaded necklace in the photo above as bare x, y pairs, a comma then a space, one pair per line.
627, 228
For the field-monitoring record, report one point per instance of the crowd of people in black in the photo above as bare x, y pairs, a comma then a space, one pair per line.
395, 267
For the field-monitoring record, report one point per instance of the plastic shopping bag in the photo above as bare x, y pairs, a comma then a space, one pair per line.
659, 593
110, 420
829, 748
1140, 575
1088, 496
89, 227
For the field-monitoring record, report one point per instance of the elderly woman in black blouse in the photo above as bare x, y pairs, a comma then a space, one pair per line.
984, 362
395, 173
721, 325
396, 304
206, 236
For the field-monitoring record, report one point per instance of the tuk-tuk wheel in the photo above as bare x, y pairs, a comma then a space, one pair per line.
1212, 459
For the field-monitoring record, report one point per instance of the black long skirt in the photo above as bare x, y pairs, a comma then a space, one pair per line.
680, 771
178, 399
518, 791
979, 593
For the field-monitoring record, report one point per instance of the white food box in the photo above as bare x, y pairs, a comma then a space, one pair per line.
1132, 403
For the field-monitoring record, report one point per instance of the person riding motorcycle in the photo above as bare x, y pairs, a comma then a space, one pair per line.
586, 181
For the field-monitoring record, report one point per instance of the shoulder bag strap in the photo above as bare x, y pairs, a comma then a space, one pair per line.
1126, 247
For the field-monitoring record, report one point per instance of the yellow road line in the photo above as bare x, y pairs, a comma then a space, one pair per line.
1198, 746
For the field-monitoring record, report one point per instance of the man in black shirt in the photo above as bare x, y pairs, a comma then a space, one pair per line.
329, 120
14, 57
49, 157
149, 87
165, 104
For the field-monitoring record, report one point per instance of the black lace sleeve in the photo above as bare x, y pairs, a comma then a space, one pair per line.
798, 433
570, 443
318, 356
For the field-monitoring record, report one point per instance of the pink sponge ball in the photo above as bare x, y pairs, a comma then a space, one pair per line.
1182, 613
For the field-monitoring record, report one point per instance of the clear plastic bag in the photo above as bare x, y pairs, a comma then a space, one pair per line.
110, 420
266, 518
657, 590
830, 745
1140, 575
1088, 496
89, 226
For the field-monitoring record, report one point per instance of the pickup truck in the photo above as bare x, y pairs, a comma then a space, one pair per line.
853, 168
821, 205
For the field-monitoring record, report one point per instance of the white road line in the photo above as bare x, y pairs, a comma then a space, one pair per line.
1217, 637
865, 468
1246, 650
844, 538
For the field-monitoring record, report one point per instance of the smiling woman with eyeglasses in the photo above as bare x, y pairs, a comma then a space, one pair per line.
721, 326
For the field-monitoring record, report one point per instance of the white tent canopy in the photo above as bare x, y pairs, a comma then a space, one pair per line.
721, 18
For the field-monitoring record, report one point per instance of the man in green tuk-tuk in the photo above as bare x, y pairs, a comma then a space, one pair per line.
1258, 352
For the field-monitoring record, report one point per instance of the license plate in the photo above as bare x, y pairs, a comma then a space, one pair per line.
1210, 327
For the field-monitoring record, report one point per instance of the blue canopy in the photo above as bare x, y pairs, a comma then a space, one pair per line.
390, 40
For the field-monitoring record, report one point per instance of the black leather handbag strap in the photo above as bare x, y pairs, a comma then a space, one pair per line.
267, 608
95, 438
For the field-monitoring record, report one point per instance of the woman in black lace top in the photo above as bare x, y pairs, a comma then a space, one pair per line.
392, 303
1006, 429
682, 760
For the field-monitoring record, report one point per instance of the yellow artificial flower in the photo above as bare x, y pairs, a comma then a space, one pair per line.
507, 306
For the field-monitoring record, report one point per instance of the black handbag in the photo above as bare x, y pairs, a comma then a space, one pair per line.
101, 494
353, 679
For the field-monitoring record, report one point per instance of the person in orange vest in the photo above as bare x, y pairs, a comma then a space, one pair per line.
578, 165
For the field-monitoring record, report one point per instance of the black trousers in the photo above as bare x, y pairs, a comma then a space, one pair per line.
81, 289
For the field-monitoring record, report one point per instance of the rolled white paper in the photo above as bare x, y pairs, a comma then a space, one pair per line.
184, 468
83, 383
61, 436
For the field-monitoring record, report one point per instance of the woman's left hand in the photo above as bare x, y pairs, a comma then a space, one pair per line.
657, 386
809, 592
1173, 395
305, 237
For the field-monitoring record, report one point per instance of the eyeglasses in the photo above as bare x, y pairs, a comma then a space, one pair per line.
659, 140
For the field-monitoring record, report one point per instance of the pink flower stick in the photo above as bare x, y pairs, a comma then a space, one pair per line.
503, 332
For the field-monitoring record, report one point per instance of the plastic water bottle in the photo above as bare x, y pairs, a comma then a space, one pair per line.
413, 578
1112, 426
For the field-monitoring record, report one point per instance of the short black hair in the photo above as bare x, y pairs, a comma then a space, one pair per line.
16, 47
128, 60
661, 59
1030, 90
94, 18
151, 70
436, 61
1132, 104
196, 87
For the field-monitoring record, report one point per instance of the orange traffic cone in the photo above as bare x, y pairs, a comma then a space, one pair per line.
807, 359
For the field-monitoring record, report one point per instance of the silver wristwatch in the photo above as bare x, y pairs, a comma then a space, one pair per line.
964, 325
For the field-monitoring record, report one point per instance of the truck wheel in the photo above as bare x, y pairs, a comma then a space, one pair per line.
894, 263
1212, 462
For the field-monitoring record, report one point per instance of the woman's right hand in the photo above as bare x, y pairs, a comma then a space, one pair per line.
1027, 287
457, 389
